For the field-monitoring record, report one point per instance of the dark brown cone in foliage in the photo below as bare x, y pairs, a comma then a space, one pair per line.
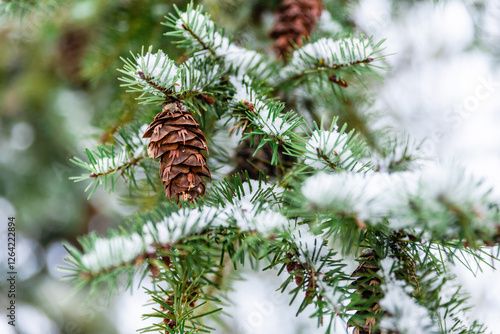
294, 20
368, 286
176, 139
190, 297
169, 320
72, 46
255, 163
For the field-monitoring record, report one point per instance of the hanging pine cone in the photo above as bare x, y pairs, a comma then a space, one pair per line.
295, 268
177, 140
190, 297
294, 20
72, 46
169, 320
368, 287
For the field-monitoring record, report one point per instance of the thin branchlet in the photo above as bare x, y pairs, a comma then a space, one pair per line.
123, 167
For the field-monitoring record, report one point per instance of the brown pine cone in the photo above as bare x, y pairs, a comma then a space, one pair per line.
170, 323
177, 140
295, 268
71, 48
368, 283
295, 20
369, 289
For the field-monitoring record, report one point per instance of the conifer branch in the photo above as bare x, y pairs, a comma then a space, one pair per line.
203, 45
105, 164
332, 204
322, 67
351, 55
199, 32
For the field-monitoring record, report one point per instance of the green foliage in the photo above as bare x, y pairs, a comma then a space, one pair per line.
278, 221
106, 165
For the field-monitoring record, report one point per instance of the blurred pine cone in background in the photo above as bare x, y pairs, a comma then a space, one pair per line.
295, 20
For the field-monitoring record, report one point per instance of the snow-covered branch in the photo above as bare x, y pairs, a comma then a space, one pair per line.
329, 55
243, 212
199, 32
104, 163
333, 149
264, 114
155, 76
443, 200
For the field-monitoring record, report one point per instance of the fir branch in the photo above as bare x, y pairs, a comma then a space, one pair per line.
203, 45
199, 32
153, 75
195, 28
326, 159
375, 197
105, 164
401, 221
122, 167
156, 77
264, 118
244, 211
405, 315
152, 83
395, 152
322, 67
235, 190
198, 238
330, 56
332, 149
319, 276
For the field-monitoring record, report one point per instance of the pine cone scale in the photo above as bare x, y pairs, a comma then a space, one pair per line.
171, 172
163, 131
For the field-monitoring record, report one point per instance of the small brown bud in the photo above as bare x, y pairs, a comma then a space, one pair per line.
207, 98
299, 278
105, 137
140, 259
166, 260
249, 106
290, 266
155, 271
338, 81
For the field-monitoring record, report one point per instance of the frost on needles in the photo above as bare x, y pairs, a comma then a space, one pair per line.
325, 203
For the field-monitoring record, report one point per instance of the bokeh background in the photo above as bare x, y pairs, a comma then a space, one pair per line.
59, 93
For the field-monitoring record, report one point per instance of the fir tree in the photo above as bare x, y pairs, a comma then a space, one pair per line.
340, 189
